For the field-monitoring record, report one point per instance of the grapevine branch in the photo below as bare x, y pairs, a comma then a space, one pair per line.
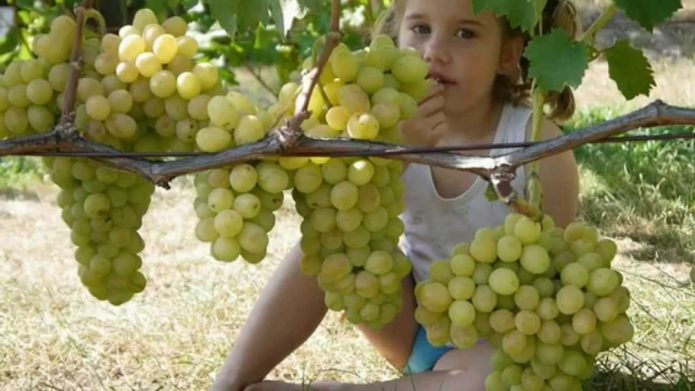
288, 139
276, 144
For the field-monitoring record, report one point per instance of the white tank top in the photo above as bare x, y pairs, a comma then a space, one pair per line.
434, 224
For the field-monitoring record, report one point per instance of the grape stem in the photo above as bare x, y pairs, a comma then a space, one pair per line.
91, 13
589, 37
259, 78
319, 84
312, 77
288, 140
534, 188
67, 118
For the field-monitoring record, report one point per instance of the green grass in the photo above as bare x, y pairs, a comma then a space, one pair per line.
17, 174
643, 191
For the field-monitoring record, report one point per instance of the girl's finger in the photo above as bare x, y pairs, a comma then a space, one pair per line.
438, 132
431, 106
434, 90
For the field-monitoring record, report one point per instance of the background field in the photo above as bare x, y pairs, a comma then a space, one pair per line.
54, 336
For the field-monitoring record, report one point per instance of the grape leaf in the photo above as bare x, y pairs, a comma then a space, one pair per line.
649, 13
157, 6
284, 12
225, 14
557, 61
251, 13
235, 15
520, 13
277, 13
630, 69
313, 5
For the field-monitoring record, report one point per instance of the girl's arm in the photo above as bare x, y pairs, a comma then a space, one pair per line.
560, 179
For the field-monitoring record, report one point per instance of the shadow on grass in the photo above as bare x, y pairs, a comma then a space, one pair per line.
16, 175
643, 376
669, 40
18, 194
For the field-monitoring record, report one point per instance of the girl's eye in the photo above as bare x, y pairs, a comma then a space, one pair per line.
420, 29
465, 34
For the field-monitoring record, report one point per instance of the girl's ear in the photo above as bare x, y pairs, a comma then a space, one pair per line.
510, 57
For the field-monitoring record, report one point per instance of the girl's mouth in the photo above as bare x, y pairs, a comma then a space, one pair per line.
440, 78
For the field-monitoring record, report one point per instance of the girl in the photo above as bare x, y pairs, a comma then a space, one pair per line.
476, 61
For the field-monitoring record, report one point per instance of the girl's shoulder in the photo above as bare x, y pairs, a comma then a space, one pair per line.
513, 125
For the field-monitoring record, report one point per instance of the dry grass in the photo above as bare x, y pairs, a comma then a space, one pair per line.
674, 86
173, 336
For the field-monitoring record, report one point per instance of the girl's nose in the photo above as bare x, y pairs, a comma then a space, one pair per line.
436, 51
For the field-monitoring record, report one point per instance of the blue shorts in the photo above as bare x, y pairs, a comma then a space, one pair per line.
424, 356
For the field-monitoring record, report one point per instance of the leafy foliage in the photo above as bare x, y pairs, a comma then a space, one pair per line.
640, 190
521, 13
556, 61
235, 33
649, 13
630, 69
278, 34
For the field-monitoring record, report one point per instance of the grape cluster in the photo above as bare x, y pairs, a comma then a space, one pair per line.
545, 297
142, 91
30, 91
351, 206
235, 205
139, 90
104, 209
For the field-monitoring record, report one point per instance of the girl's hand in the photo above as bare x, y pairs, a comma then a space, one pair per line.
429, 124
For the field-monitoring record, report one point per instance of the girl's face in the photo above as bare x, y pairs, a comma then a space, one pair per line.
465, 50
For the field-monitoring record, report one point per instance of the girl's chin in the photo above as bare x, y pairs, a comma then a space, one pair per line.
454, 96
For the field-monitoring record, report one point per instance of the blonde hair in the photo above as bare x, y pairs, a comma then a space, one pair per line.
558, 14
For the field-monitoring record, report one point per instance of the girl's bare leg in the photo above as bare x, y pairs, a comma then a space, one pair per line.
458, 370
288, 311
395, 341
294, 300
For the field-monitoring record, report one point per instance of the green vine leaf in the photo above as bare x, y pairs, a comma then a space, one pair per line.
225, 14
556, 60
157, 6
649, 13
520, 13
251, 13
284, 12
239, 15
278, 15
630, 69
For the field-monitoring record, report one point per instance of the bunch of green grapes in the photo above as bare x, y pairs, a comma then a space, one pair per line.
30, 90
142, 90
139, 90
235, 205
368, 91
350, 235
351, 206
104, 208
545, 297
